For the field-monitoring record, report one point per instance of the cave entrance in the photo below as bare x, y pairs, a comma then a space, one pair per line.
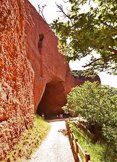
53, 99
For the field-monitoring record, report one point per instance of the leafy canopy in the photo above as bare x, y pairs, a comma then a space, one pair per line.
91, 33
98, 105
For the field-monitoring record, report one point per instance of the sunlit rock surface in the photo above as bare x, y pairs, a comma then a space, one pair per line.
53, 79
34, 77
16, 75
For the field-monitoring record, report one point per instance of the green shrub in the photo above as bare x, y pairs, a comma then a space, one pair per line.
98, 105
110, 135
99, 152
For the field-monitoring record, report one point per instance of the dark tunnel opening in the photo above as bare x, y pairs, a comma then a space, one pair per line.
53, 99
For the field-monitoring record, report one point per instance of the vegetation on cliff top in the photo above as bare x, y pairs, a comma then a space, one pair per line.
84, 73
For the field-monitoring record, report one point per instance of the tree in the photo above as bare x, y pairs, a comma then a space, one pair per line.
83, 34
98, 105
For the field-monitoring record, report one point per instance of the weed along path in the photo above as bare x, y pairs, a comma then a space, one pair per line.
55, 148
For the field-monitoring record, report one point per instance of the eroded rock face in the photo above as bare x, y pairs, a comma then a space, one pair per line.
34, 76
16, 76
53, 79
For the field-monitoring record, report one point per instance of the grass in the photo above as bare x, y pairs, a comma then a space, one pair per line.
29, 141
98, 152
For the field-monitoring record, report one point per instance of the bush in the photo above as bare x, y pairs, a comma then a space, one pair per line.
98, 105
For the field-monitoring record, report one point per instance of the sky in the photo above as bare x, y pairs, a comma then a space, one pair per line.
50, 13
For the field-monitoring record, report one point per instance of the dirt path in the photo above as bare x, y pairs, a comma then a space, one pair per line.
55, 148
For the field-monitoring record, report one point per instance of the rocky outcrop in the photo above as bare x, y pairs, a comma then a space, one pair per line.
16, 76
53, 79
34, 77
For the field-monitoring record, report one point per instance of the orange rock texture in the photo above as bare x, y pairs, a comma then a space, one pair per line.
53, 79
34, 77
16, 76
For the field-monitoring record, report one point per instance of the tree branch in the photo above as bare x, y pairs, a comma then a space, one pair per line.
107, 58
60, 7
41, 10
104, 23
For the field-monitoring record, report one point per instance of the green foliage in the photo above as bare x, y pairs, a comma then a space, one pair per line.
84, 73
110, 135
29, 141
98, 105
82, 33
99, 152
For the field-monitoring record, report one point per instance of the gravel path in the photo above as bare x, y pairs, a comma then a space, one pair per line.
55, 148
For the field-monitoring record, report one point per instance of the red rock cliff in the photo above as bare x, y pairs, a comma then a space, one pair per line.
53, 79
16, 75
34, 76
